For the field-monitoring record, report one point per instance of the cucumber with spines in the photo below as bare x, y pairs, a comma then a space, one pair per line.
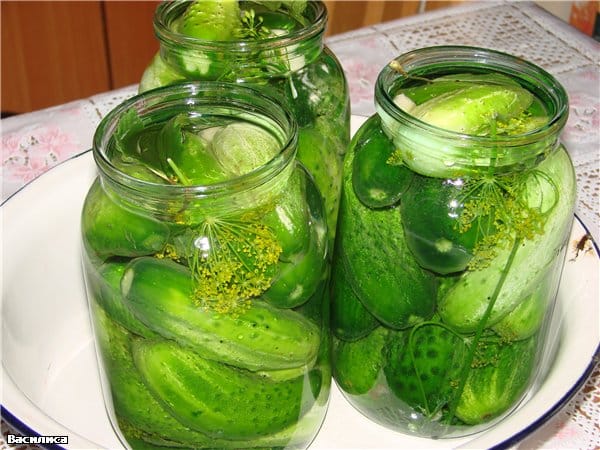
259, 337
219, 400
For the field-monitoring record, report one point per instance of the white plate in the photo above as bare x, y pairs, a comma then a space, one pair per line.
49, 373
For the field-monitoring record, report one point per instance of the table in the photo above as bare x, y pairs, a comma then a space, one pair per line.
35, 142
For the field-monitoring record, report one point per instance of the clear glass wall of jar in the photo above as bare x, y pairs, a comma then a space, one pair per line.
457, 201
280, 50
205, 257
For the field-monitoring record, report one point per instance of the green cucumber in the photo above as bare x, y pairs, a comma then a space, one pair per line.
185, 156
465, 303
309, 91
110, 229
315, 144
296, 281
423, 366
528, 316
497, 380
289, 220
431, 215
474, 109
448, 83
211, 20
142, 418
484, 109
131, 399
261, 337
381, 269
217, 399
350, 320
158, 74
105, 288
377, 182
356, 365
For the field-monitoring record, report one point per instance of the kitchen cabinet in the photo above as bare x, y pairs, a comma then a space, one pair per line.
57, 51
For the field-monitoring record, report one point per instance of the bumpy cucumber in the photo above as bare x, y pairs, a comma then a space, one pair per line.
296, 281
178, 145
350, 320
498, 380
466, 302
310, 93
104, 284
260, 337
474, 109
217, 399
381, 269
527, 317
215, 20
315, 144
157, 74
131, 399
289, 219
431, 213
109, 229
356, 365
424, 366
376, 181
142, 418
479, 109
448, 83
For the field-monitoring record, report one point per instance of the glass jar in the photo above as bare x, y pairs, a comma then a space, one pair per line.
277, 46
457, 201
205, 260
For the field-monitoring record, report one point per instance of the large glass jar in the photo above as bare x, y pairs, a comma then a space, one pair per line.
457, 201
205, 260
275, 45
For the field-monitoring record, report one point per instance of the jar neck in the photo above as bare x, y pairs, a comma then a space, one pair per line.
224, 101
463, 153
239, 60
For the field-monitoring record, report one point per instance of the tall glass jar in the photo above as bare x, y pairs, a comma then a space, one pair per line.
205, 260
275, 45
456, 205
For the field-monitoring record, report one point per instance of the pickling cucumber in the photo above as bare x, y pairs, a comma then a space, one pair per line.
431, 215
465, 304
260, 337
448, 83
350, 320
131, 399
380, 267
296, 281
356, 365
423, 366
497, 381
474, 109
110, 229
141, 417
217, 399
104, 285
289, 219
376, 180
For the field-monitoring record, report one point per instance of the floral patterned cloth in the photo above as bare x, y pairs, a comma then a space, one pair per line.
35, 142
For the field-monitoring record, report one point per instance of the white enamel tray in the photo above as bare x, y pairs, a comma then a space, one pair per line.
50, 384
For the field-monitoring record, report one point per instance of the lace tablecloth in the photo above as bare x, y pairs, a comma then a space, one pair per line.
35, 142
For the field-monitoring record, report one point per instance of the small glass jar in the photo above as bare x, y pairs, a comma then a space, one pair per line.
277, 46
457, 202
205, 260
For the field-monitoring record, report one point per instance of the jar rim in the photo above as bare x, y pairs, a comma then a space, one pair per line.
165, 34
428, 57
189, 95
